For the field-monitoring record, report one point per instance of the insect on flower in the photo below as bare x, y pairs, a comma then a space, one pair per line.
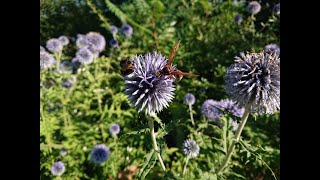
126, 67
172, 71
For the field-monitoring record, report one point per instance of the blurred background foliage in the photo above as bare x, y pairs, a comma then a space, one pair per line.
77, 118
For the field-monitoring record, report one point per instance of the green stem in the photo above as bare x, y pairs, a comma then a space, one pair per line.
154, 141
48, 137
185, 166
191, 115
225, 129
237, 137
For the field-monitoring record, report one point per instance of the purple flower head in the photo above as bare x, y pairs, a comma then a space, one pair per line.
114, 129
113, 29
189, 99
46, 60
100, 153
96, 40
81, 41
54, 45
76, 63
238, 19
254, 7
276, 8
42, 49
126, 30
63, 152
211, 109
230, 106
191, 148
113, 43
146, 91
64, 40
84, 56
255, 77
58, 168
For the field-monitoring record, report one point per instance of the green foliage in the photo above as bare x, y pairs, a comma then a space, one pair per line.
78, 118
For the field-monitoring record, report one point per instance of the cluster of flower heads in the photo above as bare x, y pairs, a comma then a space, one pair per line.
147, 91
89, 46
254, 8
191, 148
255, 78
125, 29
213, 109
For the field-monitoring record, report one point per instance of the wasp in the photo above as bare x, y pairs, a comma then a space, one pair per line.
172, 71
126, 67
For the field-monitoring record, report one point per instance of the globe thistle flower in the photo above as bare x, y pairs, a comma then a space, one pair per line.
58, 168
127, 30
75, 63
42, 49
100, 153
234, 125
65, 67
113, 29
272, 48
145, 90
189, 99
255, 77
54, 45
211, 109
238, 19
63, 152
276, 8
64, 40
114, 129
113, 43
191, 148
84, 56
68, 83
97, 41
254, 7
81, 41
230, 106
46, 60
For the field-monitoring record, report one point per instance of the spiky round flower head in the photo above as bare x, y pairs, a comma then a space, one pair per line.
211, 109
255, 77
63, 152
127, 30
145, 90
65, 67
42, 49
272, 48
114, 129
191, 148
54, 45
113, 43
81, 41
238, 19
46, 60
64, 40
100, 153
113, 29
276, 8
96, 40
230, 106
84, 56
254, 7
58, 168
189, 99
75, 63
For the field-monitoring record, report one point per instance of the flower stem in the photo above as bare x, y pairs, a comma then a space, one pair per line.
154, 141
185, 166
191, 115
237, 137
225, 130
